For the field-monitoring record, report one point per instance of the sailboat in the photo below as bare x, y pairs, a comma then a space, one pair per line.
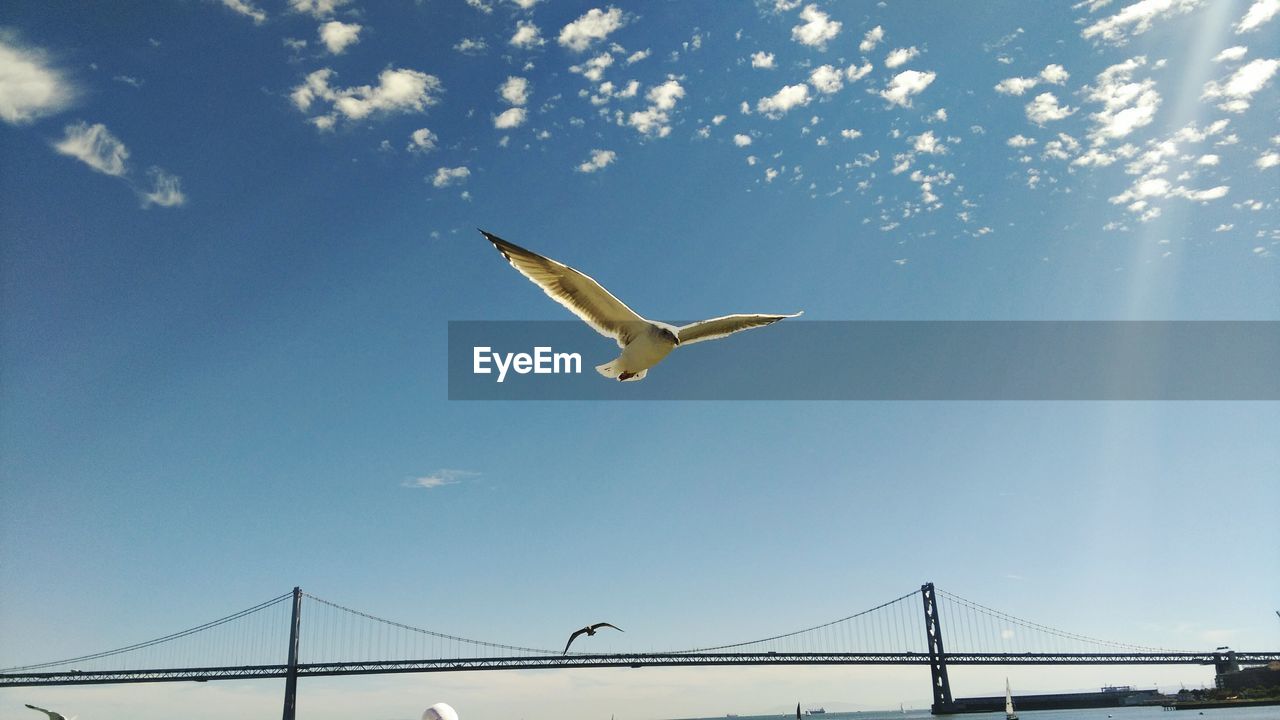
797, 711
1009, 714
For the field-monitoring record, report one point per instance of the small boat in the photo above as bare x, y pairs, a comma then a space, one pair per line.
797, 711
1009, 714
816, 711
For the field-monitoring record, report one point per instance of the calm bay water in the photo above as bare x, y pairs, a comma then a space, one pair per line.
1134, 713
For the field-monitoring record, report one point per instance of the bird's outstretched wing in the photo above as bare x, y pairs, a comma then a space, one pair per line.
578, 292
573, 637
52, 715
727, 325
597, 626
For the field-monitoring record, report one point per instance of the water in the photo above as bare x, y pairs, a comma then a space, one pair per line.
1271, 712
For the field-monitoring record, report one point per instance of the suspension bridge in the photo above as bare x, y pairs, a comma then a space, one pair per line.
270, 640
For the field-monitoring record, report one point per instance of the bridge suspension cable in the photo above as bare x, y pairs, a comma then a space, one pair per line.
265, 624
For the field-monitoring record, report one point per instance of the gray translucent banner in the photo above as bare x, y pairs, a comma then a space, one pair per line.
942, 360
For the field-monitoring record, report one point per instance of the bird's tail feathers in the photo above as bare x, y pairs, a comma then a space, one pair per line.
611, 369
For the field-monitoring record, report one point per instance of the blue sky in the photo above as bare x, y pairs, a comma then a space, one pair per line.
234, 233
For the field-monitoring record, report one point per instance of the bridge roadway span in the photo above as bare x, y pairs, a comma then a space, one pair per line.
203, 674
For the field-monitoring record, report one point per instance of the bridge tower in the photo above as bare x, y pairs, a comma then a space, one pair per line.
291, 672
937, 657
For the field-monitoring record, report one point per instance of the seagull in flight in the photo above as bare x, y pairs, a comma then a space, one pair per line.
644, 342
589, 630
52, 715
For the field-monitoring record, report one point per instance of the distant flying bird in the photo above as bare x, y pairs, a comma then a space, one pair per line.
644, 342
52, 715
589, 630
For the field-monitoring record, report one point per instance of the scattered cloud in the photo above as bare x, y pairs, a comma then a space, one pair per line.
1267, 160
398, 90
318, 9
1259, 13
29, 86
587, 29
1127, 104
741, 140
525, 4
510, 118
1135, 19
422, 140
471, 46
790, 96
439, 478
1231, 54
817, 28
247, 9
905, 84
900, 56
481, 6
850, 134
336, 35
514, 90
600, 159
166, 190
826, 79
654, 120
1045, 108
1052, 74
762, 59
96, 147
871, 39
1238, 89
446, 176
853, 73
527, 35
637, 56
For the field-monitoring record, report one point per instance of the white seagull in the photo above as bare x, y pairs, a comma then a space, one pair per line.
644, 342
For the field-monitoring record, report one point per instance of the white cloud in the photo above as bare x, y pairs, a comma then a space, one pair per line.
481, 6
511, 118
1224, 227
166, 190
319, 9
527, 35
1016, 85
1267, 160
1208, 160
445, 177
29, 87
1045, 108
1019, 141
247, 9
1052, 74
398, 90
826, 79
515, 90
1260, 12
1238, 89
96, 147
871, 39
599, 160
1127, 104
777, 105
637, 56
853, 73
900, 56
439, 478
1231, 54
1135, 19
654, 120
741, 140
336, 35
905, 84
525, 4
817, 28
422, 140
927, 143
594, 68
850, 134
762, 59
1055, 74
595, 25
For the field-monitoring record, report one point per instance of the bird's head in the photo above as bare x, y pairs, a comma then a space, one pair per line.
671, 336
